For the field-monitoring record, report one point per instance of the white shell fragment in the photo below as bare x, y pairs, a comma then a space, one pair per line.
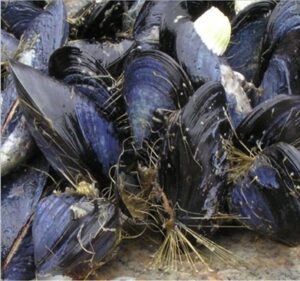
214, 29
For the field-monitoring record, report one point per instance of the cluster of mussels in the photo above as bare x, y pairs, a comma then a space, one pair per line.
177, 116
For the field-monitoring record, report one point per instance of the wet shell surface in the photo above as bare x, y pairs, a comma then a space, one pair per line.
267, 198
73, 234
191, 171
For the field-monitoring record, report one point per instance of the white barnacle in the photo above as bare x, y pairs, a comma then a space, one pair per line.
27, 57
81, 209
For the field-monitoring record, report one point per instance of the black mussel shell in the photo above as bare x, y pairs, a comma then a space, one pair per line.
36, 51
154, 86
147, 24
20, 193
275, 120
267, 198
78, 68
283, 71
169, 26
152, 81
192, 158
47, 32
81, 69
111, 54
72, 133
16, 16
284, 18
73, 235
246, 43
102, 19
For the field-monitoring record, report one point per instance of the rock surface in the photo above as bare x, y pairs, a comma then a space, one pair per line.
265, 259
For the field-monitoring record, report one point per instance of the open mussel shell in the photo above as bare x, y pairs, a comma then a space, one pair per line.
16, 16
246, 43
192, 158
275, 120
74, 235
111, 54
72, 134
283, 70
20, 193
267, 197
152, 81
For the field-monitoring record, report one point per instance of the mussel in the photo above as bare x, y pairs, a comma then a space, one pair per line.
73, 134
16, 16
152, 81
111, 54
263, 169
99, 19
246, 43
282, 73
78, 68
20, 193
9, 45
81, 69
267, 197
45, 33
276, 120
192, 186
154, 86
74, 234
284, 18
191, 167
147, 24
